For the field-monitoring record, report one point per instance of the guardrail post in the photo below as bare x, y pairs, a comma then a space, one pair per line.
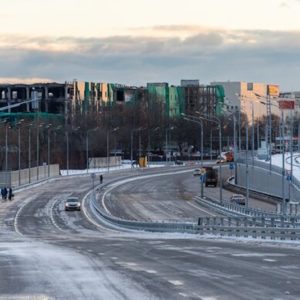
293, 222
222, 221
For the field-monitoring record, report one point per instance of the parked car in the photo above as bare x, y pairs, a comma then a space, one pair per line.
72, 203
238, 199
197, 172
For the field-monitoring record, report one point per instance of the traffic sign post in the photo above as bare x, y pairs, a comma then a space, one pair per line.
93, 176
202, 180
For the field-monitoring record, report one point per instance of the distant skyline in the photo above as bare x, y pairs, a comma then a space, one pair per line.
139, 41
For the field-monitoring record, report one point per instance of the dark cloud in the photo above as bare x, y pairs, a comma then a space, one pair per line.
261, 56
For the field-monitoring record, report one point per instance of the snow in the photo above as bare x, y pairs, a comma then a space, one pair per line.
277, 161
125, 166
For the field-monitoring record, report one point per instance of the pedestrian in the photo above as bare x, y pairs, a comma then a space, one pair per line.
101, 178
2, 193
5, 193
10, 193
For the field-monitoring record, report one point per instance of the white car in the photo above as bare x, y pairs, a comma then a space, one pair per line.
72, 203
238, 199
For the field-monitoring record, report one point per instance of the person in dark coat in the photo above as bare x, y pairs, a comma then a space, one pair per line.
2, 193
101, 178
5, 193
10, 193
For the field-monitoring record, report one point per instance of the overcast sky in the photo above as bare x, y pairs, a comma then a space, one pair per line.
139, 41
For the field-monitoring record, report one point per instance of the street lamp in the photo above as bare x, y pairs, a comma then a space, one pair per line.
87, 147
217, 121
68, 147
149, 140
168, 130
19, 149
131, 143
107, 147
200, 122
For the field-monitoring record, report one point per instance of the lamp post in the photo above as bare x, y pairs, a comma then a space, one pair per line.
108, 147
29, 153
149, 140
168, 131
217, 121
199, 122
283, 163
131, 143
87, 147
19, 150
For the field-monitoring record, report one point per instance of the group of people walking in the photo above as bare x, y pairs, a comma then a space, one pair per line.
6, 193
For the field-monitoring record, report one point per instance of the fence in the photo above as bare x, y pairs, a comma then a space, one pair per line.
26, 176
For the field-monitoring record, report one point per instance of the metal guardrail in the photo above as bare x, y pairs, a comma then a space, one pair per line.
231, 227
235, 210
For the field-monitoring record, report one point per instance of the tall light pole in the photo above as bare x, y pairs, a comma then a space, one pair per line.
168, 131
217, 121
149, 140
6, 150
29, 153
19, 154
108, 147
247, 166
283, 163
87, 147
67, 137
48, 148
199, 122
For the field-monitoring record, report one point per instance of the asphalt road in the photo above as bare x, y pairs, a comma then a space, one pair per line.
47, 253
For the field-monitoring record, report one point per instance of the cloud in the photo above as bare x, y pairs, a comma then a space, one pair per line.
260, 56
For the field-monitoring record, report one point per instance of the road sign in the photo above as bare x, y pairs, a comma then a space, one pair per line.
231, 166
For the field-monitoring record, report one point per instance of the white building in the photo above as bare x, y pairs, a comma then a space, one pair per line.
245, 96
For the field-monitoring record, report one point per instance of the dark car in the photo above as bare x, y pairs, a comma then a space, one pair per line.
72, 203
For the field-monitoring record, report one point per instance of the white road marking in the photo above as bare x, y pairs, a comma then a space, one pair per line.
52, 216
183, 295
176, 282
258, 254
151, 271
269, 260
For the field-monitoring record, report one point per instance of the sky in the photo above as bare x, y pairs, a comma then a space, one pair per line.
138, 41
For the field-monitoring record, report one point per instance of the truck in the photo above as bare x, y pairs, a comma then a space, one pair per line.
211, 176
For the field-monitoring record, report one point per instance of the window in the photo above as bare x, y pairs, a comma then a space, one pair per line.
250, 86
